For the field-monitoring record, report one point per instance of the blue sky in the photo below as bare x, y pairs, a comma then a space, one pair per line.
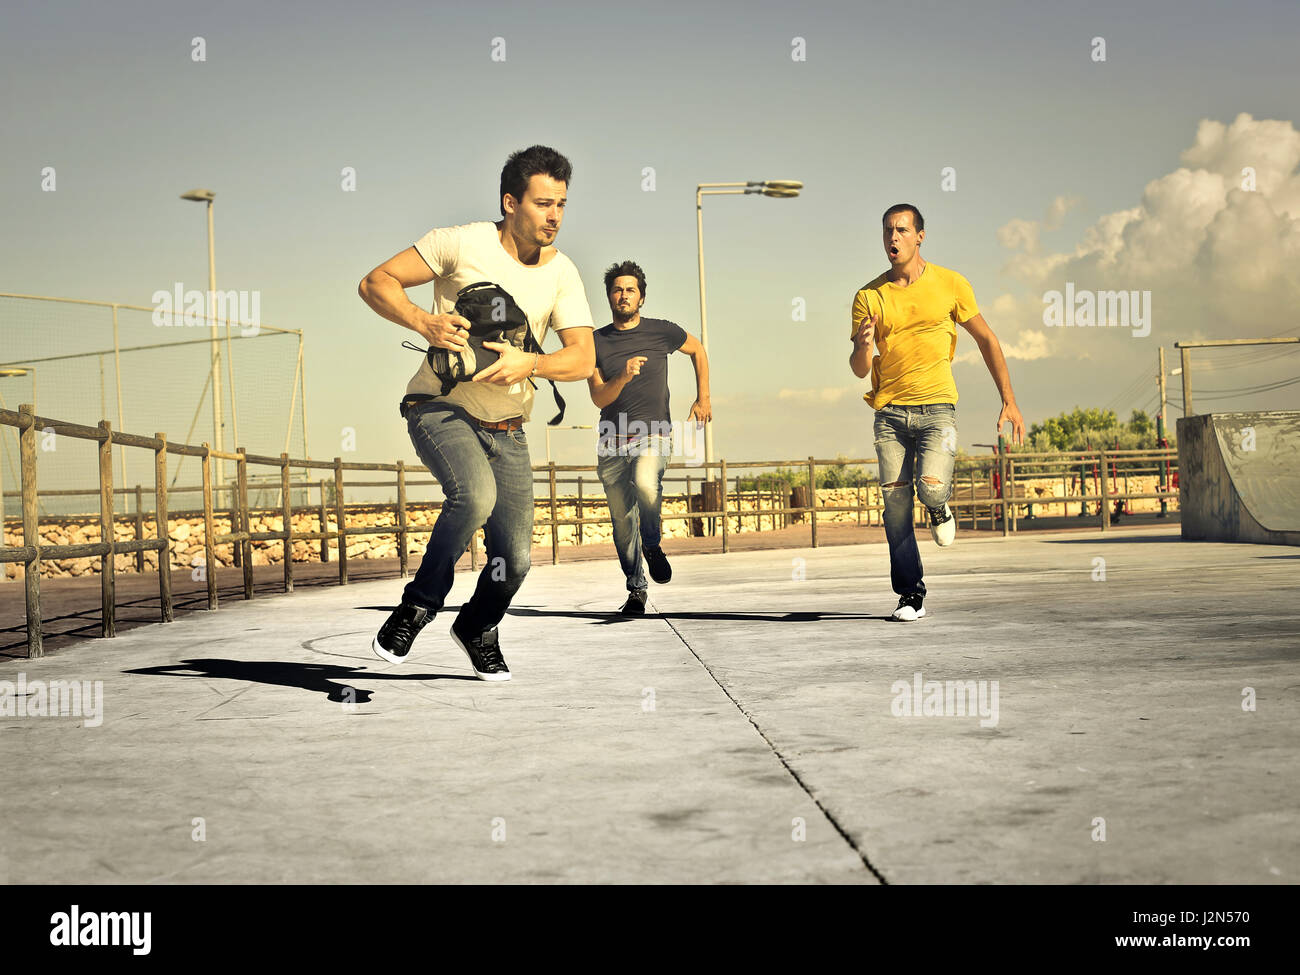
408, 95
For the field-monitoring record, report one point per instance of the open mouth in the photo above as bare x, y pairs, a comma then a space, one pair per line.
893, 252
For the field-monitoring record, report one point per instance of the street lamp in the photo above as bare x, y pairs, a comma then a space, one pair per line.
10, 372
207, 196
781, 189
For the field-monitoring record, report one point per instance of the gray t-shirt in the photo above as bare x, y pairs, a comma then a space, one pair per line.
550, 294
645, 397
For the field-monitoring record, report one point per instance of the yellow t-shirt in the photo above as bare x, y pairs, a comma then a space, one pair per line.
916, 335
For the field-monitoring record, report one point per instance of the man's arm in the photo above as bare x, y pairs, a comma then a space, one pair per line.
573, 362
864, 329
996, 362
384, 290
603, 391
701, 409
860, 357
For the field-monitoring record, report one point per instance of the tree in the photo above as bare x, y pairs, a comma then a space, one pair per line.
1081, 429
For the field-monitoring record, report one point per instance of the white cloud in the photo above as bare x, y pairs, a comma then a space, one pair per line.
1220, 259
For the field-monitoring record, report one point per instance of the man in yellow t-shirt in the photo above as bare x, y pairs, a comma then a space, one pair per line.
910, 314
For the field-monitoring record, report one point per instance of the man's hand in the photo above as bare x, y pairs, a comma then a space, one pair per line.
514, 365
445, 331
866, 331
1011, 414
633, 367
701, 411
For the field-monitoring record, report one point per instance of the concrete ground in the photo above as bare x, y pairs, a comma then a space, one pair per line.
746, 731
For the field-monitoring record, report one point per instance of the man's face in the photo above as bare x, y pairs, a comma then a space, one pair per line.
625, 298
901, 237
537, 217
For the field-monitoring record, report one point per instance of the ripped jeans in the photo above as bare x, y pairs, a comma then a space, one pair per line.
913, 443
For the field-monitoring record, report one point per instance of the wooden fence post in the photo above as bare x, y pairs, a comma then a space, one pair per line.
812, 498
139, 528
723, 506
31, 534
286, 514
340, 513
209, 531
246, 522
108, 569
1002, 492
555, 536
324, 525
1105, 492
163, 530
401, 517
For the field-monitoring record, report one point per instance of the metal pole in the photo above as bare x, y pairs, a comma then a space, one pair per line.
1187, 381
302, 393
704, 318
117, 371
1160, 433
293, 398
217, 392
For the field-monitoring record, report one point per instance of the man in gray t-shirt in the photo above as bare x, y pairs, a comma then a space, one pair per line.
630, 385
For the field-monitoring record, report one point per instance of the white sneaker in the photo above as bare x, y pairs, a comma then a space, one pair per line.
909, 609
943, 527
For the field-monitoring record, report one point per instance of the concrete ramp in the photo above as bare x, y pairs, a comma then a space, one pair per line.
1239, 477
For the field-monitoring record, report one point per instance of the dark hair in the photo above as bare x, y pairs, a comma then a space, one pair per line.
527, 163
918, 221
624, 269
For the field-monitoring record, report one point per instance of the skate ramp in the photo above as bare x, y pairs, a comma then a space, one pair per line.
1239, 477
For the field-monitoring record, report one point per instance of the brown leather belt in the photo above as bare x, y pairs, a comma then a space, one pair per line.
514, 423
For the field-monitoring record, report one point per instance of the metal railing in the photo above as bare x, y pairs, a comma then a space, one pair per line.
998, 492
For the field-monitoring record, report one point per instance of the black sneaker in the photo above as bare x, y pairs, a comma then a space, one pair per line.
660, 570
635, 605
483, 651
910, 608
395, 637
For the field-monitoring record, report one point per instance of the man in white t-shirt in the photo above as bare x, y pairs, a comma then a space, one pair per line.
472, 437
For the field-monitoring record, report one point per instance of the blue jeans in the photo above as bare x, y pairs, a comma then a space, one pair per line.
486, 477
633, 478
913, 443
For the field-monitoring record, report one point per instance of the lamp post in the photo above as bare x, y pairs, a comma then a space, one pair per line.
207, 196
776, 188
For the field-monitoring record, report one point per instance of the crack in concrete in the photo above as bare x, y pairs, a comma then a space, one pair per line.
830, 818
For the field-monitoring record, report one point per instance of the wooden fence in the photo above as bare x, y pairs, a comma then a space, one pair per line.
985, 485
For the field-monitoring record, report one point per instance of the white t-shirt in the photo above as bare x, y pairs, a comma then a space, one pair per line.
551, 295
